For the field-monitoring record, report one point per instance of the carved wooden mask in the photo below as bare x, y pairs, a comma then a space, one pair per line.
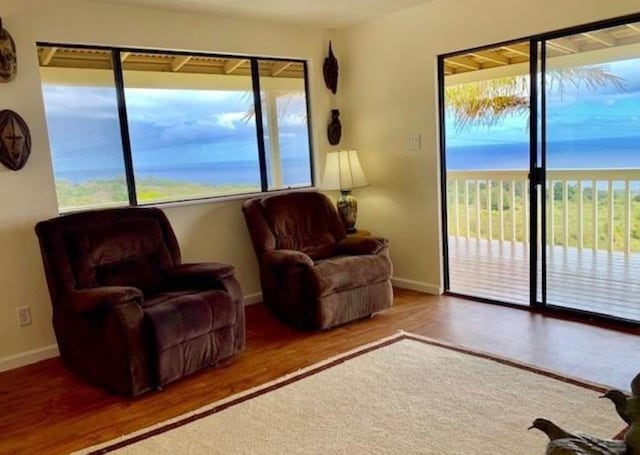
15, 140
330, 71
8, 60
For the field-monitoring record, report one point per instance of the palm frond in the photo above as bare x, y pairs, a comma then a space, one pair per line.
591, 77
487, 103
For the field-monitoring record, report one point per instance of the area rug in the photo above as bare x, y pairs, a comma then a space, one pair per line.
402, 395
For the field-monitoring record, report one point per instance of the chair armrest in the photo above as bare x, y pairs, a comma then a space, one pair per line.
88, 300
358, 245
204, 275
285, 258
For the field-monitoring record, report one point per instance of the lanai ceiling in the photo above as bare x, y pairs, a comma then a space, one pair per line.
502, 56
69, 57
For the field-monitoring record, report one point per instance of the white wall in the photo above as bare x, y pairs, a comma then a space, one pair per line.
211, 231
388, 92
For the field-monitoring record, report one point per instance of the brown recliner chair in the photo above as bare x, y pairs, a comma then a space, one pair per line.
127, 314
312, 274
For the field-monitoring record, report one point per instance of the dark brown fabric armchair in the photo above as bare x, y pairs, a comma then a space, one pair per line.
312, 274
127, 314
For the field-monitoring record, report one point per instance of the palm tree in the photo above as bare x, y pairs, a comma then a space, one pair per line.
487, 103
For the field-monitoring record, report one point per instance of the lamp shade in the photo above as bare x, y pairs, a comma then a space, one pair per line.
342, 171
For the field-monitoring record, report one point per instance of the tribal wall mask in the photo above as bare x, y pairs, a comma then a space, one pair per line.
15, 140
8, 60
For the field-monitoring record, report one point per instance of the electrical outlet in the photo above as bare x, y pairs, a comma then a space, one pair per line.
414, 143
24, 316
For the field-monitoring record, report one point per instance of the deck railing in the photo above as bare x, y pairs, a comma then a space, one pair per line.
586, 208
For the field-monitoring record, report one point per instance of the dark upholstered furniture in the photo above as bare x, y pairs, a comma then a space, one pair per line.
312, 274
127, 314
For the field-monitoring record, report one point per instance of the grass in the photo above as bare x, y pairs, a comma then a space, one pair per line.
108, 192
491, 215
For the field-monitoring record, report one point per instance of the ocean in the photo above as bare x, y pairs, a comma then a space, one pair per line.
295, 172
616, 152
578, 154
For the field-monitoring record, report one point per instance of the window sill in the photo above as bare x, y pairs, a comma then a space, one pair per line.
209, 200
230, 198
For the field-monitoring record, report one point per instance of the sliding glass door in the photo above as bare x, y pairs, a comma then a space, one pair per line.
541, 170
486, 97
592, 160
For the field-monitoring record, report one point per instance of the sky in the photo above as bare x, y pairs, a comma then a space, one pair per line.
581, 123
585, 128
167, 127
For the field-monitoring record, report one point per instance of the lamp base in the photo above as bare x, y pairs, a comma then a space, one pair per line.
348, 210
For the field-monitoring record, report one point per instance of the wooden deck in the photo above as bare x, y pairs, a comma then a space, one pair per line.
599, 282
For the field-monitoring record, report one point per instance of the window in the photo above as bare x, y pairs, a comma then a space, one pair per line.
144, 127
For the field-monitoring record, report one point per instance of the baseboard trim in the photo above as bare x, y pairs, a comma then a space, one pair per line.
252, 299
419, 286
27, 358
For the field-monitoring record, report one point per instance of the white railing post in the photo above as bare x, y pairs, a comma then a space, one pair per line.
538, 189
594, 198
627, 216
513, 211
478, 221
580, 215
552, 214
466, 208
455, 207
611, 215
525, 216
565, 213
489, 212
501, 209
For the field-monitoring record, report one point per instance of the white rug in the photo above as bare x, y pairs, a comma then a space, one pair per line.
404, 395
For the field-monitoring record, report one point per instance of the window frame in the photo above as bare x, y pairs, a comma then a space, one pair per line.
118, 73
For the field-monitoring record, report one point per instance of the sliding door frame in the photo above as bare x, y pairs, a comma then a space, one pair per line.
537, 173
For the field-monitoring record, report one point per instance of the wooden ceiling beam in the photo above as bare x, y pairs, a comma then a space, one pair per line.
492, 56
635, 27
179, 62
124, 56
279, 67
47, 56
564, 45
517, 50
464, 62
602, 37
448, 70
233, 64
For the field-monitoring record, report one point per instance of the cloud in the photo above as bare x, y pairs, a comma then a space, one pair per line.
80, 102
293, 119
229, 120
164, 125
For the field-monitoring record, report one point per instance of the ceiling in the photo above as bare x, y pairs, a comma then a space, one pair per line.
612, 40
87, 58
324, 13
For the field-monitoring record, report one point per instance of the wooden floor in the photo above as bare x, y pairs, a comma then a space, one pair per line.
46, 410
598, 282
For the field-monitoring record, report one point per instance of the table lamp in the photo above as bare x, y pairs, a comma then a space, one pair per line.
342, 171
